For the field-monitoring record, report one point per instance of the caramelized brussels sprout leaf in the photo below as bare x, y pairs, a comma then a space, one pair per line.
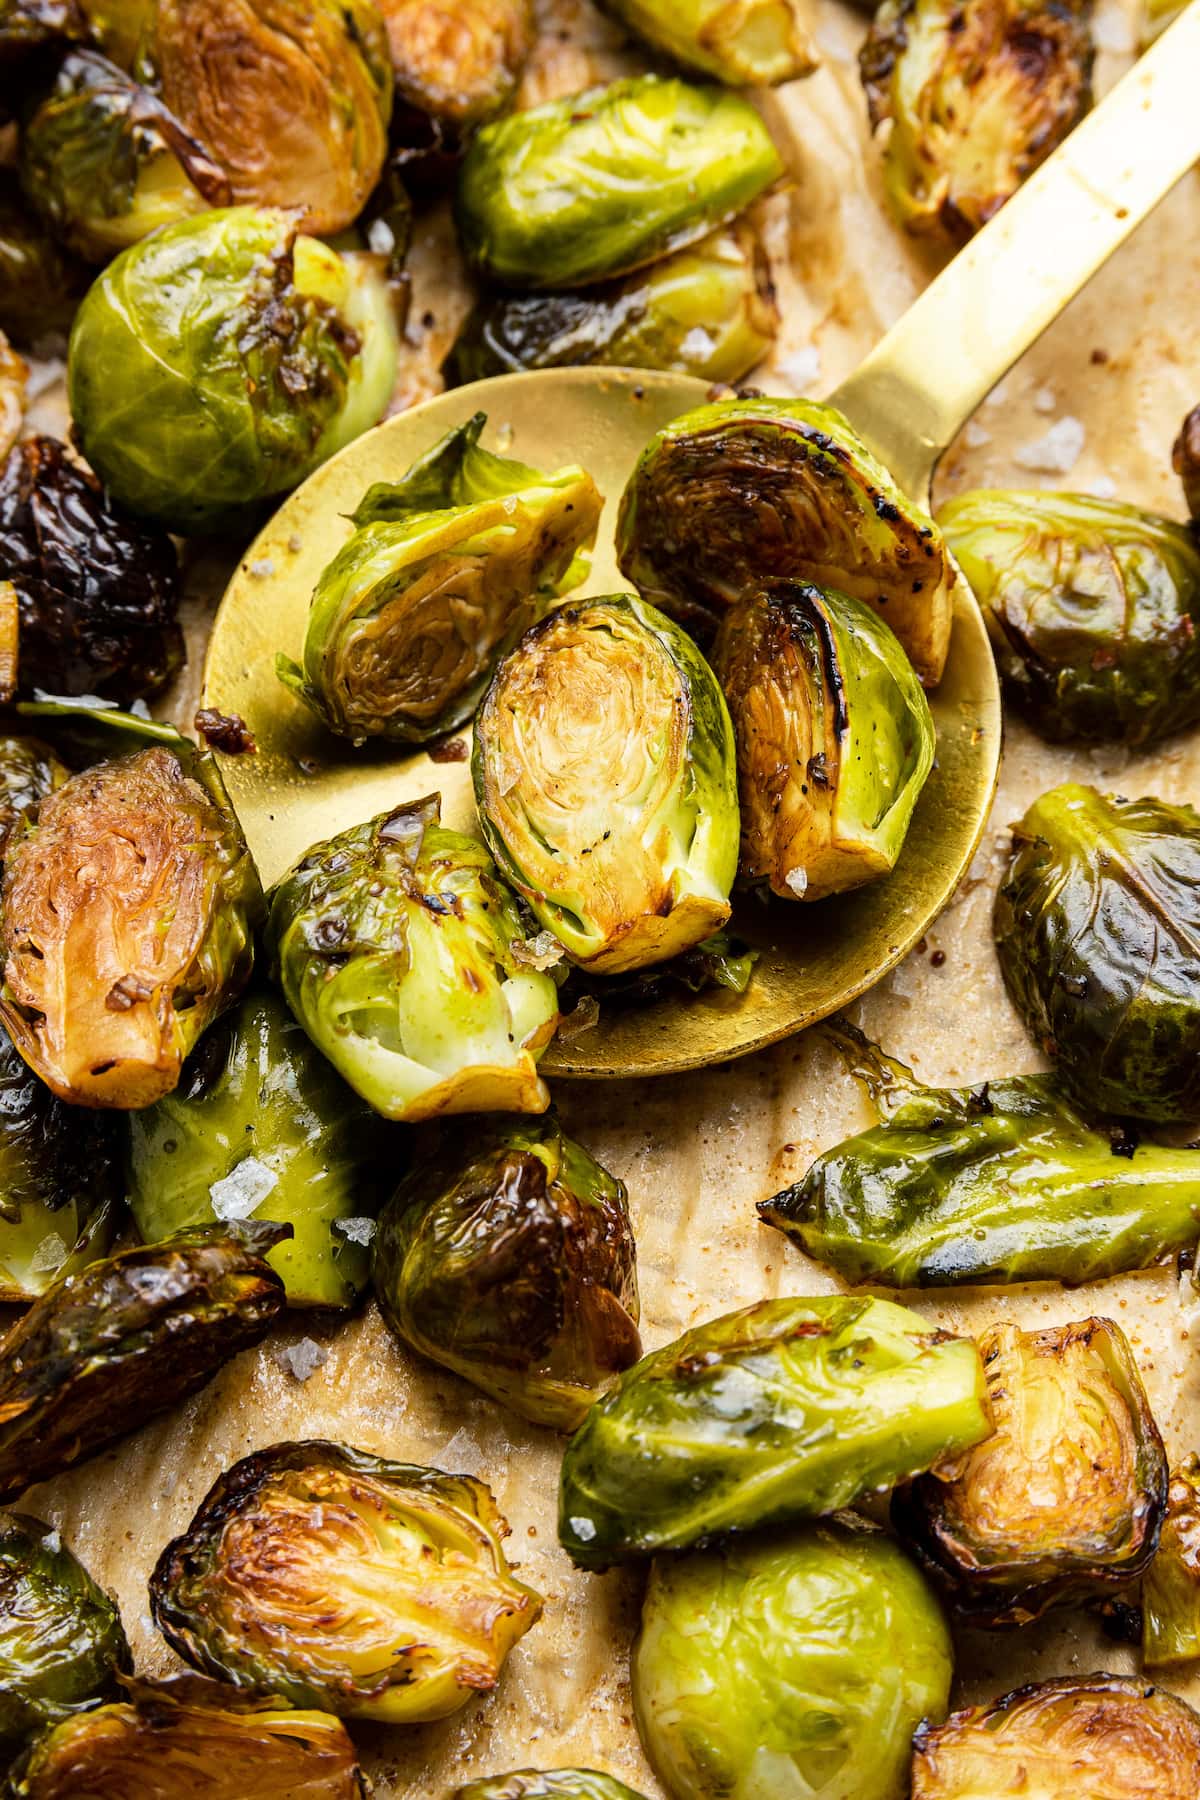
1185, 458
1171, 1585
547, 1784
458, 62
749, 43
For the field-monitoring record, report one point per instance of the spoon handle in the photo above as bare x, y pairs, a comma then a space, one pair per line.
924, 379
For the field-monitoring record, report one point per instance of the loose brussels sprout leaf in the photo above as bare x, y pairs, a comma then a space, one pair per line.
40, 283
458, 61
1093, 1735
1171, 1586
1097, 937
61, 1640
409, 618
741, 491
29, 771
262, 1126
606, 784
337, 1579
749, 43
1185, 458
547, 1784
835, 738
608, 180
127, 927
104, 1350
241, 355
785, 1410
1092, 607
510, 1259
793, 1665
394, 946
977, 95
708, 311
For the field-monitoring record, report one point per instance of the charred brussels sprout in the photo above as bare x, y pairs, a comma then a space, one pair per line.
605, 780
547, 1784
398, 949
242, 357
1096, 931
795, 1665
458, 61
333, 1578
741, 491
445, 566
608, 180
41, 284
1185, 458
785, 1410
834, 734
1171, 1586
511, 1260
977, 95
748, 43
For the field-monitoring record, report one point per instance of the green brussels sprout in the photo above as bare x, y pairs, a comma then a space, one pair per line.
1095, 929
1092, 608
458, 62
835, 739
793, 1665
976, 94
399, 949
547, 1784
748, 43
785, 1410
61, 1641
509, 1258
1171, 1585
108, 1348
41, 284
608, 180
741, 491
605, 778
1185, 458
333, 1578
244, 357
445, 566
708, 311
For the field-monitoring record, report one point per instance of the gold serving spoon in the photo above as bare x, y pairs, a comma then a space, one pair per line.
908, 400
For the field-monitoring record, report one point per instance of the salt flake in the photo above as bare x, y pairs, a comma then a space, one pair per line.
1103, 488
540, 952
52, 1542
1045, 400
797, 880
243, 1190
303, 1358
50, 1254
975, 437
1057, 452
359, 1231
262, 568
800, 368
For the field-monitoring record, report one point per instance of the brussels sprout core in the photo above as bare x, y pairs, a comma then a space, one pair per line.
748, 43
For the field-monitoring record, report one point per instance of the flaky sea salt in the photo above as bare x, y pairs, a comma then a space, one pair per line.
540, 952
1057, 452
975, 437
52, 1542
262, 568
50, 1254
1045, 400
359, 1230
1103, 488
797, 880
799, 369
243, 1190
304, 1358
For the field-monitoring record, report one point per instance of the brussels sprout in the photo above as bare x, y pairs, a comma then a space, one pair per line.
748, 43
397, 948
708, 311
721, 961
243, 356
547, 1784
510, 1259
61, 1641
40, 283
458, 61
1097, 1736
606, 785
608, 180
333, 1578
29, 771
1185, 458
446, 565
835, 738
106, 1349
741, 491
1095, 929
795, 1665
784, 1410
977, 93
14, 374
1171, 1587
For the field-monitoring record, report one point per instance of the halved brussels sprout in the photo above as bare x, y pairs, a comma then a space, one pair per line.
605, 778
608, 180
785, 1410
1171, 1585
509, 1258
446, 566
1185, 458
795, 1665
1095, 929
241, 355
748, 43
338, 1579
741, 491
41, 284
547, 1784
458, 61
708, 311
108, 1348
977, 94
397, 948
835, 739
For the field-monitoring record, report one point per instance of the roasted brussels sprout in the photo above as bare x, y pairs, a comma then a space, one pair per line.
446, 565
29, 770
608, 180
793, 1665
749, 43
458, 61
1093, 1735
333, 1578
1185, 457
784, 1410
14, 374
835, 738
1095, 929
547, 1784
243, 355
41, 284
606, 785
708, 311
741, 491
510, 1259
397, 948
1171, 1586
977, 94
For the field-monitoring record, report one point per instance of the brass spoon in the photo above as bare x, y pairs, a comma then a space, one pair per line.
908, 399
